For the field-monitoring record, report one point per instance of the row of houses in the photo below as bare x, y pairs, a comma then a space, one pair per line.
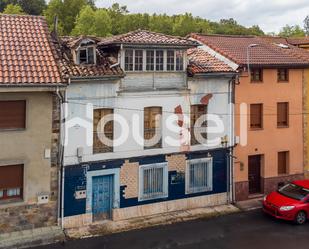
143, 123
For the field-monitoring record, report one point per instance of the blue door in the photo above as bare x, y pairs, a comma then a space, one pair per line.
102, 197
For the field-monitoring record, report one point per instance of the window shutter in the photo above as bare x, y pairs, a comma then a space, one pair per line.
256, 115
11, 176
13, 114
282, 114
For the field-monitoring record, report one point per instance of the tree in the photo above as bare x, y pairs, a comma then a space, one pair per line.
184, 24
117, 13
292, 31
13, 9
306, 25
31, 7
93, 22
67, 12
161, 23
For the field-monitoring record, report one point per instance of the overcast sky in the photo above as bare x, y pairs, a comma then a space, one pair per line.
270, 15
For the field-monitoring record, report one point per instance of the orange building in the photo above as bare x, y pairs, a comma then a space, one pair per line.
269, 116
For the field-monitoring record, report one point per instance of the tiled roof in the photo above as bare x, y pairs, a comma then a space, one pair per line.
298, 41
140, 37
26, 52
267, 54
202, 62
69, 69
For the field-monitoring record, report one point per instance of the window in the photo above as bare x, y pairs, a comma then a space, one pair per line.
159, 60
138, 60
11, 182
152, 127
153, 181
170, 60
196, 112
283, 75
256, 116
150, 60
179, 60
283, 162
199, 175
256, 75
12, 115
128, 60
283, 114
86, 55
99, 130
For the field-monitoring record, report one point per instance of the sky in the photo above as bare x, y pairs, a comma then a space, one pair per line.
270, 15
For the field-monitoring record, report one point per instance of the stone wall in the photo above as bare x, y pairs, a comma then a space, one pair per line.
27, 217
271, 184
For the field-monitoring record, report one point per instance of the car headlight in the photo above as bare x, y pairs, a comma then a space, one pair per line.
286, 208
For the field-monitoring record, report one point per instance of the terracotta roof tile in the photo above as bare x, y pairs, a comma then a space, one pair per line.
25, 45
202, 62
147, 37
267, 53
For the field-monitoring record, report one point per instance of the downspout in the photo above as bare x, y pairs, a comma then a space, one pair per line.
231, 187
60, 102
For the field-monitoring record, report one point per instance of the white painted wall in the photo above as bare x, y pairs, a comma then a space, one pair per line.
104, 94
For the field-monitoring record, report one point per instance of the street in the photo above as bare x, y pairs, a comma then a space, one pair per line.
242, 230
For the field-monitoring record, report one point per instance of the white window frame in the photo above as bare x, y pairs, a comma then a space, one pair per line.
209, 187
155, 61
142, 168
86, 48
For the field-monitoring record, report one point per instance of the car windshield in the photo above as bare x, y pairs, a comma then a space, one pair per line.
294, 191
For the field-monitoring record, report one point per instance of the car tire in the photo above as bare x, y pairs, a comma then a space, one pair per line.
300, 218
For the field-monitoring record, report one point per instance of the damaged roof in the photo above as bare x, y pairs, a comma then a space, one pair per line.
264, 53
28, 57
201, 62
104, 66
144, 37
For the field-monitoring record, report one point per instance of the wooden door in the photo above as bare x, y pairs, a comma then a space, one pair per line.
254, 174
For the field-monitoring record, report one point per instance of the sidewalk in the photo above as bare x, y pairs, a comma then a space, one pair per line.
250, 204
108, 227
30, 238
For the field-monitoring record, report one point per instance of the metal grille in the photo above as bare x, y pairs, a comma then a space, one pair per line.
153, 182
199, 177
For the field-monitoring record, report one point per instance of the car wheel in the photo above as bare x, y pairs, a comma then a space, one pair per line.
300, 218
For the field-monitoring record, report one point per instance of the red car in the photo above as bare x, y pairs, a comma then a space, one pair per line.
291, 202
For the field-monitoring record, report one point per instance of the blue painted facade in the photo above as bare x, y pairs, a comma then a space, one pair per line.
76, 179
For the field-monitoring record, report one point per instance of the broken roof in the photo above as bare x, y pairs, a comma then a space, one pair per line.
201, 62
144, 37
104, 66
263, 53
26, 52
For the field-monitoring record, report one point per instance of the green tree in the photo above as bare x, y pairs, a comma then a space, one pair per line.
93, 22
184, 24
67, 12
306, 25
117, 13
13, 9
161, 23
31, 7
292, 31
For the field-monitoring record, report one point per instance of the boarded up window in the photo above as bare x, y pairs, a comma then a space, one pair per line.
11, 181
196, 112
256, 75
283, 75
152, 127
256, 116
13, 114
99, 130
283, 162
282, 114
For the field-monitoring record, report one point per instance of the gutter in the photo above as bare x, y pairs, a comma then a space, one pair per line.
95, 78
219, 74
33, 85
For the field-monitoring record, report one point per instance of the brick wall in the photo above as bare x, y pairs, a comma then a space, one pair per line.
176, 162
129, 178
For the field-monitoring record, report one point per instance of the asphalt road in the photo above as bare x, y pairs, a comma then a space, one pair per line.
250, 230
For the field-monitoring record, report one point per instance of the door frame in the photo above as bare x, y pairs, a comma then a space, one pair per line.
261, 156
116, 188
